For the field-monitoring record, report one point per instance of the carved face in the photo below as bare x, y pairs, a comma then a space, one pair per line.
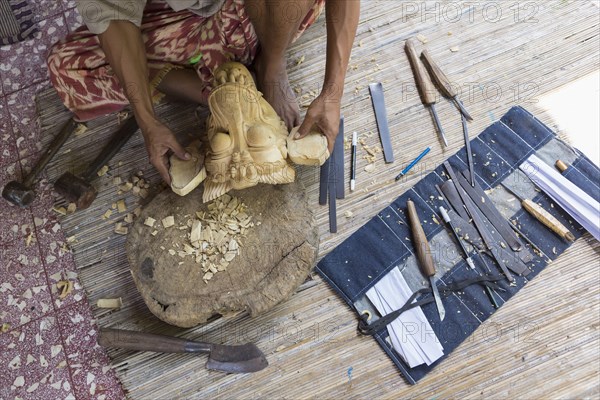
247, 140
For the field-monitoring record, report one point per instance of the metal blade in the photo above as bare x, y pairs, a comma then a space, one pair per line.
468, 148
462, 108
438, 299
438, 125
236, 359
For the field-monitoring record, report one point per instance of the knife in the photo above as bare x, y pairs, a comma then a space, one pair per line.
424, 255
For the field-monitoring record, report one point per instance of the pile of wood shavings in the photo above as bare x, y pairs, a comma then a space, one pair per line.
215, 236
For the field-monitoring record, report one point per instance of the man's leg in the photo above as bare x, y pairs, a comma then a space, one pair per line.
276, 24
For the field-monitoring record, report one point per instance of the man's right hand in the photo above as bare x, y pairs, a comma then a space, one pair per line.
160, 142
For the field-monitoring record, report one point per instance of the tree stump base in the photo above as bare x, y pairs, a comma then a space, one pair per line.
275, 257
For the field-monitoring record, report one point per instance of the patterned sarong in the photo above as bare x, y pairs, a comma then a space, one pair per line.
89, 88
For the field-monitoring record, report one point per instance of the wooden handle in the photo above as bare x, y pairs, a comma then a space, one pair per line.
426, 89
440, 79
561, 166
141, 341
420, 241
547, 219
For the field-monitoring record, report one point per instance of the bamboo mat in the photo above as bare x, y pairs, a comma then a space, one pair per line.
543, 343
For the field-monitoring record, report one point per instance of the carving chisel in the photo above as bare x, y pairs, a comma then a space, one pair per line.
426, 89
424, 255
542, 215
444, 86
443, 83
447, 219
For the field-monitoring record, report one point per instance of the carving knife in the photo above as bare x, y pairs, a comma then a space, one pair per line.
426, 88
424, 255
543, 216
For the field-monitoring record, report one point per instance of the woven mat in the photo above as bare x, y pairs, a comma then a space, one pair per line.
543, 343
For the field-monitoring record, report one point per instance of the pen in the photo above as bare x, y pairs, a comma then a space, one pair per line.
353, 167
412, 164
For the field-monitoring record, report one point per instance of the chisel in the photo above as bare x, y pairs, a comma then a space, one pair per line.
424, 255
447, 219
443, 83
444, 86
426, 88
542, 215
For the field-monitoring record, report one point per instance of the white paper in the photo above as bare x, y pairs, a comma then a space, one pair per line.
583, 208
410, 333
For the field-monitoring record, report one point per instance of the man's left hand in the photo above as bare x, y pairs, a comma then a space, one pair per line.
324, 114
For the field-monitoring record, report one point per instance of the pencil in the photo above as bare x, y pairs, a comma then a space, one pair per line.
412, 164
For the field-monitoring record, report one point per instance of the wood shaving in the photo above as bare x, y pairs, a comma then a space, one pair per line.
60, 210
107, 214
348, 214
370, 168
64, 288
422, 38
117, 180
454, 49
71, 208
216, 236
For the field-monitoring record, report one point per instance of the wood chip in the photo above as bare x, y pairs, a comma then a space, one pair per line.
120, 229
117, 180
454, 49
169, 221
370, 168
71, 208
150, 222
110, 303
107, 214
102, 171
121, 207
126, 187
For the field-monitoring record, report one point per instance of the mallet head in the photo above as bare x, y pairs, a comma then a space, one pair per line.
75, 190
18, 194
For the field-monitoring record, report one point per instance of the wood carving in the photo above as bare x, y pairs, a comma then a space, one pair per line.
248, 143
186, 175
310, 150
247, 139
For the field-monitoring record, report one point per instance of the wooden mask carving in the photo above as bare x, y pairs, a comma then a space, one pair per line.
247, 139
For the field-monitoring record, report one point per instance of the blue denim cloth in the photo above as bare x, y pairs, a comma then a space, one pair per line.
384, 242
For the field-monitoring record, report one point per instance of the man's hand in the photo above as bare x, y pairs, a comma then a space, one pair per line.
323, 114
159, 142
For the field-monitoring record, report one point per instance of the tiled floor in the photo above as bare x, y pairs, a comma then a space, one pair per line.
48, 344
